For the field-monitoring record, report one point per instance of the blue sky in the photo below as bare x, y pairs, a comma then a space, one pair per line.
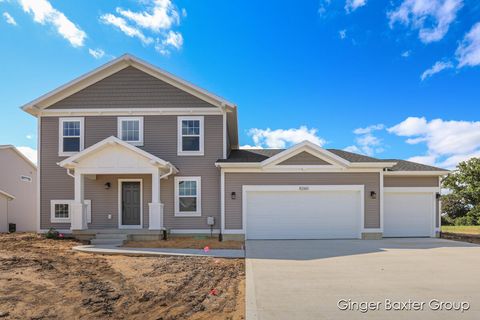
391, 79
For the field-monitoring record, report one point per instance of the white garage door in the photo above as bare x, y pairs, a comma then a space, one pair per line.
313, 212
409, 214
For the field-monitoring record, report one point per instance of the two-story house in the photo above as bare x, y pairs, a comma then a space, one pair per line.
130, 147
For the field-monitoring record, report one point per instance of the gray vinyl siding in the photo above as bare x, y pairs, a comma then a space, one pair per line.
235, 181
131, 88
410, 181
304, 158
160, 139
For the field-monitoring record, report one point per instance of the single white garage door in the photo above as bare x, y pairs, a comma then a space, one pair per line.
313, 212
409, 214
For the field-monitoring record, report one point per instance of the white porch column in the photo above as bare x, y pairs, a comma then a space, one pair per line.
155, 207
79, 212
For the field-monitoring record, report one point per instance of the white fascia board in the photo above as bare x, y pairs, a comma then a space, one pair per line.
130, 112
309, 147
7, 195
416, 173
372, 164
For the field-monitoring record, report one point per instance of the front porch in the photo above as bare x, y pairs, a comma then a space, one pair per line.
116, 187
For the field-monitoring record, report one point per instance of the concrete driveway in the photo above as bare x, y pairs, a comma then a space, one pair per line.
305, 279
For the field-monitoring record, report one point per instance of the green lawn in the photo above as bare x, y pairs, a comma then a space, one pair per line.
462, 229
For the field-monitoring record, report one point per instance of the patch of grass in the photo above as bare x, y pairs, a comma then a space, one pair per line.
462, 229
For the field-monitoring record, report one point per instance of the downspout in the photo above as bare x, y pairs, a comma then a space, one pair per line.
167, 174
70, 174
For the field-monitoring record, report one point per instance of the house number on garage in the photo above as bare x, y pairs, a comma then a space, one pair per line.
303, 188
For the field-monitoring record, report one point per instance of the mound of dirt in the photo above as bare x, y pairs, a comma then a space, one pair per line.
45, 279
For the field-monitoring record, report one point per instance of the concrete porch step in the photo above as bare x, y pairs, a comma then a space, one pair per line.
117, 242
118, 236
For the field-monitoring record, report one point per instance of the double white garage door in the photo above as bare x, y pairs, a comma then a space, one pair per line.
330, 212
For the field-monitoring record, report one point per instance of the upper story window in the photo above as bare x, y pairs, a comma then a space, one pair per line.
130, 129
70, 136
190, 136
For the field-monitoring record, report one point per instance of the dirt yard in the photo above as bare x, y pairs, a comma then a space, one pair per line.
45, 279
187, 243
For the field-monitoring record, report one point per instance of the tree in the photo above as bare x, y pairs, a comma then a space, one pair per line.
463, 203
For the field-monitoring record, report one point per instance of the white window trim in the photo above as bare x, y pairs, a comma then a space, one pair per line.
138, 143
53, 219
61, 153
197, 213
180, 151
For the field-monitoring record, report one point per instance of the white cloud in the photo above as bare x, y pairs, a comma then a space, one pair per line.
432, 18
121, 24
96, 53
283, 138
468, 52
153, 24
436, 68
44, 13
29, 136
30, 153
448, 142
406, 54
160, 15
322, 8
352, 5
366, 142
9, 19
342, 34
369, 129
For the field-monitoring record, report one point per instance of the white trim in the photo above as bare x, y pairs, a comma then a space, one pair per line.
193, 231
224, 135
112, 67
412, 189
372, 230
92, 112
7, 195
417, 173
38, 177
120, 198
137, 143
222, 200
180, 151
296, 169
309, 147
382, 190
177, 211
253, 188
62, 153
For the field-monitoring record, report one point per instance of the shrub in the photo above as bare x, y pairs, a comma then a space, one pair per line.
52, 234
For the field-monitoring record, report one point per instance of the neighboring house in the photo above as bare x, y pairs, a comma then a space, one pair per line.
18, 178
129, 146
5, 199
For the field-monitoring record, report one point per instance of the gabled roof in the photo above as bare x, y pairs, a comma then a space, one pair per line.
9, 196
72, 161
21, 155
114, 66
392, 165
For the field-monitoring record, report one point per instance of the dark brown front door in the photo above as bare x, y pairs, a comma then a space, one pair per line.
130, 203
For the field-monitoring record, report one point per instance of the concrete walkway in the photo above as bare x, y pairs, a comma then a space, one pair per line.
115, 250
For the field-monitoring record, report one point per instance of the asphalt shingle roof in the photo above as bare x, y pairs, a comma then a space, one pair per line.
259, 155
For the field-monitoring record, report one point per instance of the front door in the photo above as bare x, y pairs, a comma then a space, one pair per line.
131, 203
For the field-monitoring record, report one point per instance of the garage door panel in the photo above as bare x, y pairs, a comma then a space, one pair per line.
408, 214
303, 214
